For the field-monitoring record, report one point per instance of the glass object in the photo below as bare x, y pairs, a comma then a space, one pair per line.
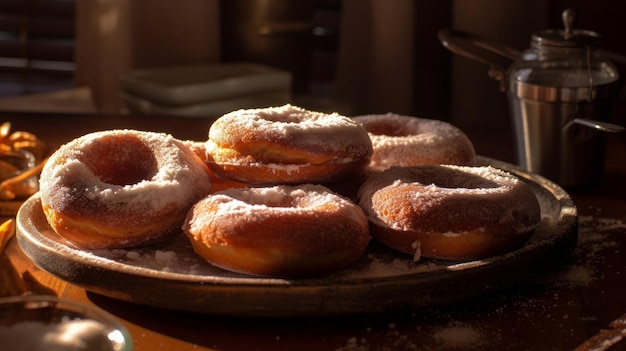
37, 322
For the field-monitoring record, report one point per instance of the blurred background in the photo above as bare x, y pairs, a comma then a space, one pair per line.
350, 56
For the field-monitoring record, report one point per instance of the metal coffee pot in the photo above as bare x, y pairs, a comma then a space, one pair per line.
560, 92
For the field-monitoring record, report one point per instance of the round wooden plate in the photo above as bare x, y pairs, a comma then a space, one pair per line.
172, 276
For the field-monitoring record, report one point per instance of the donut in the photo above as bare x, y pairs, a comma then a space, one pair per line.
291, 231
121, 188
411, 141
286, 145
449, 212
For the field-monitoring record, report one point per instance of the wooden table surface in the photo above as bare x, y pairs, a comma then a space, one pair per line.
559, 310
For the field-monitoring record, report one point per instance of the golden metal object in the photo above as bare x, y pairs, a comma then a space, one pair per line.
12, 283
22, 156
5, 129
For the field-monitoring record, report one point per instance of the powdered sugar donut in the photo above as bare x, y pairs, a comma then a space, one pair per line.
410, 141
286, 145
283, 231
449, 212
121, 188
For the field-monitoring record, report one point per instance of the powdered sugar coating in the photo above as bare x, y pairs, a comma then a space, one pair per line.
449, 199
410, 141
122, 182
256, 204
312, 131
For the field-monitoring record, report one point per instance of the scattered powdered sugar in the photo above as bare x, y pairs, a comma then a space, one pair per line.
354, 344
459, 336
379, 264
176, 256
588, 259
457, 328
595, 224
395, 339
455, 336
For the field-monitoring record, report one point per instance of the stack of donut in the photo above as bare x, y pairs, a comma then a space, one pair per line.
278, 220
260, 195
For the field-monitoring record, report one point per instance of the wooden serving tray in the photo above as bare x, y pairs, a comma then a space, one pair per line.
172, 276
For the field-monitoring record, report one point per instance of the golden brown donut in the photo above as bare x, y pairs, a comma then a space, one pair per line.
121, 188
286, 145
449, 212
280, 231
410, 141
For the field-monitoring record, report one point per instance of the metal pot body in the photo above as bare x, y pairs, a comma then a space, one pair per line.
548, 139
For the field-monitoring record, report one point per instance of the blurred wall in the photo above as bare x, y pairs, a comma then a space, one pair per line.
376, 57
114, 36
476, 98
390, 59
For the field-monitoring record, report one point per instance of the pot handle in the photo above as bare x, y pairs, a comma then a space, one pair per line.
595, 124
615, 57
478, 49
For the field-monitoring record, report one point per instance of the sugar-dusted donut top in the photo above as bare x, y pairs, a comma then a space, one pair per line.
301, 217
408, 141
292, 126
445, 198
254, 204
122, 171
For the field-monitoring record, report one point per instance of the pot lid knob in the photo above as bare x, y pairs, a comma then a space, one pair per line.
568, 23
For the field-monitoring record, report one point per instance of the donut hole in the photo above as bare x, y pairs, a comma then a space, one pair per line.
264, 197
288, 202
121, 160
292, 117
284, 202
389, 129
452, 178
274, 198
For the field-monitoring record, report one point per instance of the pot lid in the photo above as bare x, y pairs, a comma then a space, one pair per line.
567, 37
